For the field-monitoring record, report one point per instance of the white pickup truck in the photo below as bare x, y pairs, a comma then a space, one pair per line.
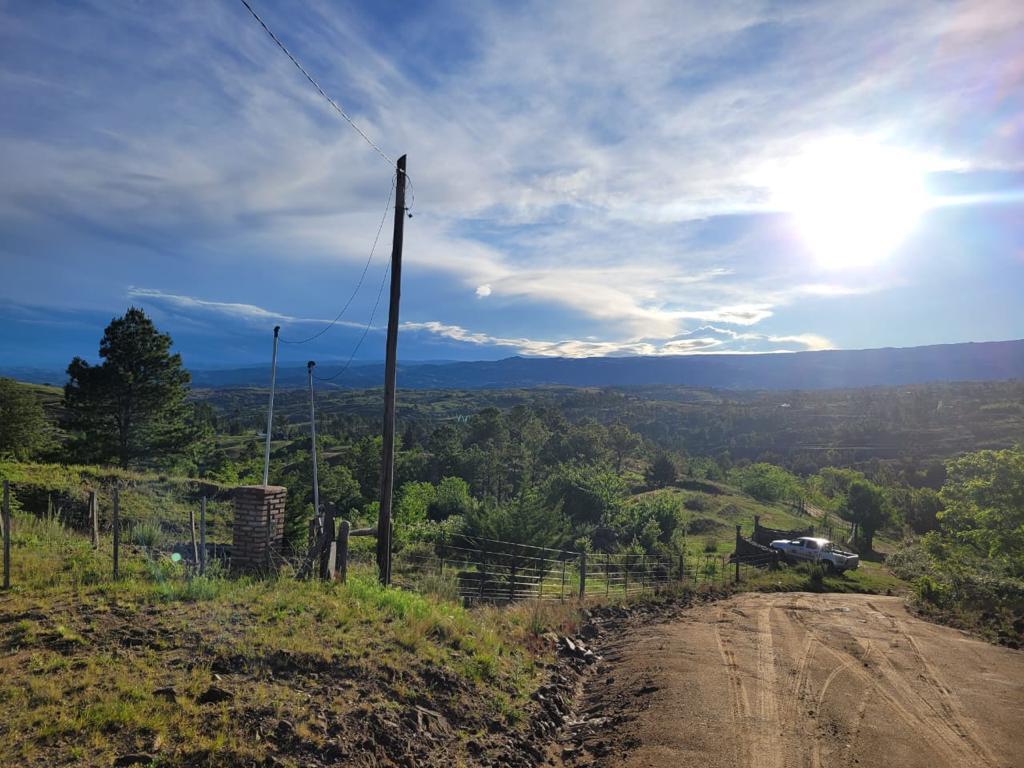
816, 551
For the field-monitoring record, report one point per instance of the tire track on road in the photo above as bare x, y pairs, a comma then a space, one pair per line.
771, 753
739, 701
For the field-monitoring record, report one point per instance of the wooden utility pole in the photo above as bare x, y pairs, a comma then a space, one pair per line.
390, 371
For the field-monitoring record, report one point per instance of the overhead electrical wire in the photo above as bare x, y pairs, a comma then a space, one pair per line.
370, 323
359, 284
315, 84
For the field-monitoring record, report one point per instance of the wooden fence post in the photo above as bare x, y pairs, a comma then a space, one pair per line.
192, 528
94, 519
342, 556
5, 518
583, 575
115, 522
607, 575
202, 536
682, 568
736, 554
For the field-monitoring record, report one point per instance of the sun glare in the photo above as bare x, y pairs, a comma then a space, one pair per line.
853, 202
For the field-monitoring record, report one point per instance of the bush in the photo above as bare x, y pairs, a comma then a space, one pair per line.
710, 545
146, 534
698, 503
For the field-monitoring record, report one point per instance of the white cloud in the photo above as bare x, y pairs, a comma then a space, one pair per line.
710, 339
611, 131
249, 313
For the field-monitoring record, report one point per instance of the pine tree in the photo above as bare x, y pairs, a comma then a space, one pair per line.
24, 431
132, 406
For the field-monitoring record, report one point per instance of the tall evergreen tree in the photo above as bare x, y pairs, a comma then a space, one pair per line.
132, 406
24, 430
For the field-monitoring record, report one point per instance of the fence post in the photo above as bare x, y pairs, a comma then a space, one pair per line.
561, 589
643, 573
94, 520
682, 568
195, 543
6, 520
583, 575
736, 554
202, 536
512, 582
342, 558
607, 575
625, 583
116, 523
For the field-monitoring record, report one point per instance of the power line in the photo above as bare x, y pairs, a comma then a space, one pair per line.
366, 266
315, 84
366, 330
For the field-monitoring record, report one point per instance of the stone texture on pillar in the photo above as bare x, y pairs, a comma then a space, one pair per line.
254, 505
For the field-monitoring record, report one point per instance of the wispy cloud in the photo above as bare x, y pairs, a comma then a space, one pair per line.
604, 161
248, 313
701, 340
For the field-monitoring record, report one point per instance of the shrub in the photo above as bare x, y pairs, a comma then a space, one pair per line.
145, 534
697, 503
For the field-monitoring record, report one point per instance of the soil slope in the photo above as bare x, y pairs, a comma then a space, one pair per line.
797, 679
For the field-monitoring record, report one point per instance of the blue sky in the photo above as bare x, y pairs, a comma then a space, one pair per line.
590, 178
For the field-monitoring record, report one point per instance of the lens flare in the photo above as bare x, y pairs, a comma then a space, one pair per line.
853, 202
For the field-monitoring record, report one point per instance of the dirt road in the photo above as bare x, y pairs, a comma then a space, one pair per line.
793, 680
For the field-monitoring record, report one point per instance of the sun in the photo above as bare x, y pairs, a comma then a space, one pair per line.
852, 201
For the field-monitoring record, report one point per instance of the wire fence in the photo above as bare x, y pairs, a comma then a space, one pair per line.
191, 523
475, 569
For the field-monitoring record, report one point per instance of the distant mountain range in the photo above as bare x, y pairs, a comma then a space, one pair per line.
834, 369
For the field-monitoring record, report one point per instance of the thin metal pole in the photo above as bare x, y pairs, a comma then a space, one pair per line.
390, 382
270, 407
312, 436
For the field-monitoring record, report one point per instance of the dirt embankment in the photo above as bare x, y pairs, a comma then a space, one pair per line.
794, 680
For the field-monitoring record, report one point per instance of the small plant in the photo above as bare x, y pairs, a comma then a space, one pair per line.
930, 590
145, 534
697, 503
710, 545
816, 573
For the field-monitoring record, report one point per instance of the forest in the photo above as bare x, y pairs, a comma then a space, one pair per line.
930, 476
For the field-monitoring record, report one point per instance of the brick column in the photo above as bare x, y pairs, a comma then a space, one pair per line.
254, 505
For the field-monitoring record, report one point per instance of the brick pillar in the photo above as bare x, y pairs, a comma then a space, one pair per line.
254, 504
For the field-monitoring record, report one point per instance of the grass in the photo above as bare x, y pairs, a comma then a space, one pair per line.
84, 656
869, 578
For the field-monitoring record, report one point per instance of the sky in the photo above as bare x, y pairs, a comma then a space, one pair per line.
586, 178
